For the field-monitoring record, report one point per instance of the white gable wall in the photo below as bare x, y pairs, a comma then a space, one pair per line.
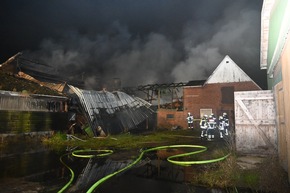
228, 72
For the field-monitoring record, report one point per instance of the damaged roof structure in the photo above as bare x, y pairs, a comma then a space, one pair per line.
115, 112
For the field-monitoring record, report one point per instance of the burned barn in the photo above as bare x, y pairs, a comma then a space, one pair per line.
80, 110
114, 112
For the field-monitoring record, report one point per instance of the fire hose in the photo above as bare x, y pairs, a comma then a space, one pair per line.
171, 159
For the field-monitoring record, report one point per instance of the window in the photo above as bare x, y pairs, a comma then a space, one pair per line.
205, 112
227, 95
170, 116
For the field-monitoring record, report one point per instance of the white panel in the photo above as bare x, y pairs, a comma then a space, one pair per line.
255, 122
227, 72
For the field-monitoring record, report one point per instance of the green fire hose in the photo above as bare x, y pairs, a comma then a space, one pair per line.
171, 159
75, 153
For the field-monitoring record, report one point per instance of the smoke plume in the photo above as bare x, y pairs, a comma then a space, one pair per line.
151, 42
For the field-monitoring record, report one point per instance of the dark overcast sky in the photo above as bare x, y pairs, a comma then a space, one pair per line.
138, 41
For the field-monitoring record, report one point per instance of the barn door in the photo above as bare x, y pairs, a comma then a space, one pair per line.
255, 122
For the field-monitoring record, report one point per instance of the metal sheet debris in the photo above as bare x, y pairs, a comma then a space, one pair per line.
120, 111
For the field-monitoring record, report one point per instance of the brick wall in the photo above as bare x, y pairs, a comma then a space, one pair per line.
218, 97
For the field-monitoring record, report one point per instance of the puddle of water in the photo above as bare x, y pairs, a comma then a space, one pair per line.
37, 169
27, 166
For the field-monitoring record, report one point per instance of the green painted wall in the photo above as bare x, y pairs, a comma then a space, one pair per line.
16, 122
276, 19
275, 26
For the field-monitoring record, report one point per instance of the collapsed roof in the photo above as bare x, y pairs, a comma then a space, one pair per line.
115, 111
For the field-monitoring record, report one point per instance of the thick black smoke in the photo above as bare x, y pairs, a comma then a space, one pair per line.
140, 42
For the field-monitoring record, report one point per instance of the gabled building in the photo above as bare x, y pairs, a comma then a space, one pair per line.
275, 58
214, 95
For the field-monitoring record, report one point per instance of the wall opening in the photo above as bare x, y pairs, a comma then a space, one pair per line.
227, 95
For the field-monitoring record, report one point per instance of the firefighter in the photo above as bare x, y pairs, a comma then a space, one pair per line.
203, 126
213, 116
211, 127
221, 126
189, 120
226, 123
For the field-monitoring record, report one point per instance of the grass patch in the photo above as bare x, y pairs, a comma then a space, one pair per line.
267, 177
121, 141
216, 175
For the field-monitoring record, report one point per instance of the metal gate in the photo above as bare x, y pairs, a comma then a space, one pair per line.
255, 130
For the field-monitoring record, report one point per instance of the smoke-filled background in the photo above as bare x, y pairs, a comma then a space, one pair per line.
139, 41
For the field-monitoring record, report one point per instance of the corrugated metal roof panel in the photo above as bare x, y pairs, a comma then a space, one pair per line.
130, 111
